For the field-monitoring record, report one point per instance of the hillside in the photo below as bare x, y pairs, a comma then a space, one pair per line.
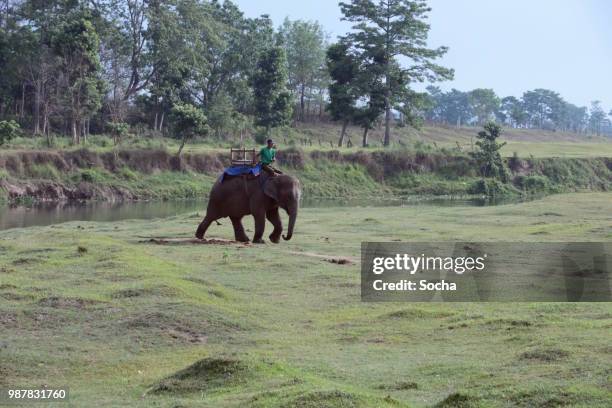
526, 142
158, 174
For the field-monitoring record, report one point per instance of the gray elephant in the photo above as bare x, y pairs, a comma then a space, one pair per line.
237, 196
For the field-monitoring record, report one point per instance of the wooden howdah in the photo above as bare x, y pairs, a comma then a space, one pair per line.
243, 157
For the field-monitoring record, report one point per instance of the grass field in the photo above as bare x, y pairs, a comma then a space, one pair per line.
322, 136
124, 321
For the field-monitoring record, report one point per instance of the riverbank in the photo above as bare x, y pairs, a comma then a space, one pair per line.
156, 174
100, 306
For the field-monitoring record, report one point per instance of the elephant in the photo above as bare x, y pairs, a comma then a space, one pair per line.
237, 196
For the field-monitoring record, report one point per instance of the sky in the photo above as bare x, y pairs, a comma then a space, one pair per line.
508, 45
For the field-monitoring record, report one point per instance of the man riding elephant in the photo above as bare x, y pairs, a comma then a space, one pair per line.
261, 197
267, 156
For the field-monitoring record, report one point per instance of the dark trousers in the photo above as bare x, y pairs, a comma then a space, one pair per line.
268, 168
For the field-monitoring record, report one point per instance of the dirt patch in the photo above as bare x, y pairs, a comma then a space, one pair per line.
418, 314
204, 375
399, 386
65, 303
333, 398
459, 400
26, 261
191, 241
138, 292
8, 319
340, 261
15, 296
180, 326
509, 324
545, 354
343, 260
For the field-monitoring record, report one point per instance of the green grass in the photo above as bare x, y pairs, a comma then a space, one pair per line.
323, 136
125, 322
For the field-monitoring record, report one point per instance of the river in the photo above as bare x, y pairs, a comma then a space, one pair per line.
19, 216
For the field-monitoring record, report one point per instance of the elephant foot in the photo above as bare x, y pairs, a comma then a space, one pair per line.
242, 239
275, 238
199, 234
259, 241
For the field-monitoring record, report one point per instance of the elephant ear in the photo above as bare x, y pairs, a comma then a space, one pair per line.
270, 189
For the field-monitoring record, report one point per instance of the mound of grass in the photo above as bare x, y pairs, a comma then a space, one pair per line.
204, 375
331, 399
459, 400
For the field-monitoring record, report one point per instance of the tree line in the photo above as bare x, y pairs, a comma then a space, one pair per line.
536, 109
104, 66
194, 67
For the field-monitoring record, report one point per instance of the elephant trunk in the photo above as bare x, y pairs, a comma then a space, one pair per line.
293, 210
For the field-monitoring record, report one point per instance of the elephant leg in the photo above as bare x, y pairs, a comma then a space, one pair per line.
273, 216
204, 226
239, 233
260, 226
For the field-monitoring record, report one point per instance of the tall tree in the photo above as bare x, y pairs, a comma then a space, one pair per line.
512, 112
272, 99
387, 29
304, 44
484, 104
76, 44
543, 107
596, 117
344, 90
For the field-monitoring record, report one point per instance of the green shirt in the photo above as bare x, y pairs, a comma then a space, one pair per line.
267, 155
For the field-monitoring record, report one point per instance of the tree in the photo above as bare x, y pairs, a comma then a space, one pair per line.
487, 156
189, 121
449, 108
387, 29
596, 117
512, 112
272, 99
119, 130
304, 44
76, 45
484, 103
343, 69
543, 107
372, 104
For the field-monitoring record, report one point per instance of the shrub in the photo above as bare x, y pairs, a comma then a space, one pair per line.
487, 156
9, 129
491, 188
127, 174
91, 176
532, 183
119, 130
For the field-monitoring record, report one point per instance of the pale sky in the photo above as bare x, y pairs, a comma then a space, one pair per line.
508, 45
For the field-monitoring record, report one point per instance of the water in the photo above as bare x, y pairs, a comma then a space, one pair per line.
55, 213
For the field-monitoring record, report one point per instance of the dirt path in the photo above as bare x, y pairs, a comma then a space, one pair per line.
340, 260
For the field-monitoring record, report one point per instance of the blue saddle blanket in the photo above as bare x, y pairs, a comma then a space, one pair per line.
240, 170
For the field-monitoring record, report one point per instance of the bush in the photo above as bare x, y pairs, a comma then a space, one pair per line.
91, 176
491, 188
9, 129
119, 130
487, 156
532, 183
